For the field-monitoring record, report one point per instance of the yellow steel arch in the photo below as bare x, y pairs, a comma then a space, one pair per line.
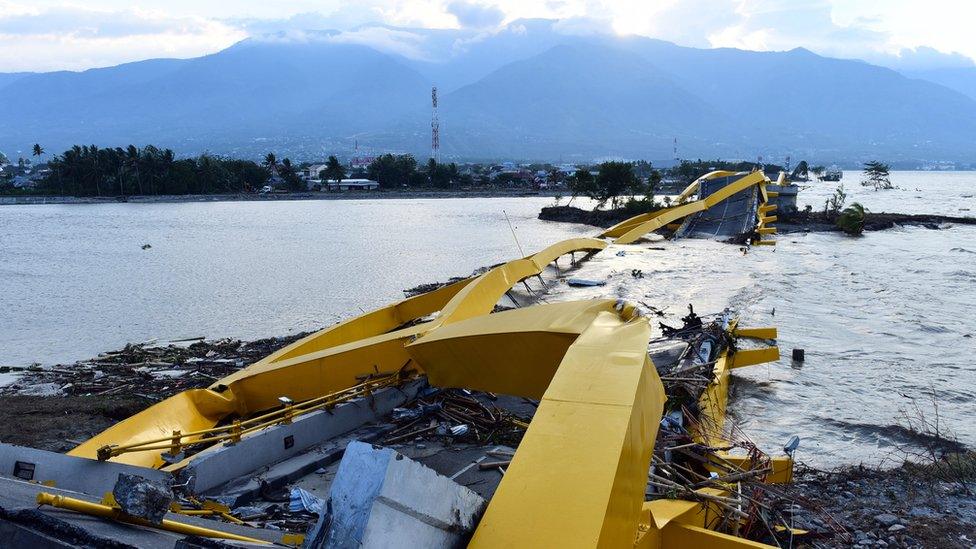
626, 225
696, 184
669, 215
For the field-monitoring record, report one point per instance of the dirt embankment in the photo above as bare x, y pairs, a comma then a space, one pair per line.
597, 218
827, 222
791, 223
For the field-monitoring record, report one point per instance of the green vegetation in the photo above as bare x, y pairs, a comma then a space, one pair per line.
93, 171
333, 170
876, 175
690, 170
616, 179
835, 203
851, 219
398, 171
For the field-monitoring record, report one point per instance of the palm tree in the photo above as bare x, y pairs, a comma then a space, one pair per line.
334, 171
38, 150
270, 161
132, 160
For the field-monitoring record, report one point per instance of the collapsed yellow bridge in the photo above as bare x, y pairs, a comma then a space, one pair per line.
601, 398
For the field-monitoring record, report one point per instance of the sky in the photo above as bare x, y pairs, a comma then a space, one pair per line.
43, 35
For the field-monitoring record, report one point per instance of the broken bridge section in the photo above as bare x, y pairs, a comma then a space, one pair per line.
736, 216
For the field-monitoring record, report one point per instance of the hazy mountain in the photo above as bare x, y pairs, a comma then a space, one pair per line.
961, 79
256, 89
533, 90
578, 100
10, 77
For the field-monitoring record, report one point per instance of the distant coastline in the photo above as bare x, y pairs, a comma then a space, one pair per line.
255, 197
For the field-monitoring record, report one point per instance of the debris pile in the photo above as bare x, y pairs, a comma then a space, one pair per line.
151, 371
693, 460
457, 415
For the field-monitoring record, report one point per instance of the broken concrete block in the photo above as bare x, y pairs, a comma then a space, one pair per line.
143, 498
380, 498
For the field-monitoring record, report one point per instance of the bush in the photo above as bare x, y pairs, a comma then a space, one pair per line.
851, 220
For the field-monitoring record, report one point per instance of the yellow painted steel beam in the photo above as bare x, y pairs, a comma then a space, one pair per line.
782, 466
116, 514
696, 184
661, 517
300, 378
596, 423
372, 323
626, 225
751, 357
684, 535
767, 208
768, 219
548, 255
772, 194
767, 230
756, 333
512, 352
764, 243
664, 217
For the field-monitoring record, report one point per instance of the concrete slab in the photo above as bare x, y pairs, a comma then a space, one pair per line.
69, 472
380, 498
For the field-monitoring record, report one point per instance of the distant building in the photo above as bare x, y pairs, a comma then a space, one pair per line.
361, 162
351, 185
313, 172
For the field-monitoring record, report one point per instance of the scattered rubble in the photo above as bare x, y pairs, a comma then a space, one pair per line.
146, 370
908, 506
143, 498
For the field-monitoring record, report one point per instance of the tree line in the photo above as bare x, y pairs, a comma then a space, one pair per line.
89, 170
93, 171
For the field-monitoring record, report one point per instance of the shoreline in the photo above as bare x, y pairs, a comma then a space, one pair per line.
24, 200
798, 222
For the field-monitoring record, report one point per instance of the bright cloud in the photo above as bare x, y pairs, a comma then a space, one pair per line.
75, 38
58, 34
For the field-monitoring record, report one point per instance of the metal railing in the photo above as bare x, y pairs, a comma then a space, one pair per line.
233, 432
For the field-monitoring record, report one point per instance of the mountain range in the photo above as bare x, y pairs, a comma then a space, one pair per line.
533, 90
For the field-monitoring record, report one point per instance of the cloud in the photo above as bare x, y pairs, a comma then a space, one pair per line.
74, 38
475, 16
921, 58
53, 34
400, 42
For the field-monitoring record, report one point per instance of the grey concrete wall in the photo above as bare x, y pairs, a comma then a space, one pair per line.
71, 473
220, 464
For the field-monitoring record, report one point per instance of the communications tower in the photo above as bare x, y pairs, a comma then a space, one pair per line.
435, 128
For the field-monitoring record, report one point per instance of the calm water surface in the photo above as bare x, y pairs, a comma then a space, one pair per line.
884, 319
